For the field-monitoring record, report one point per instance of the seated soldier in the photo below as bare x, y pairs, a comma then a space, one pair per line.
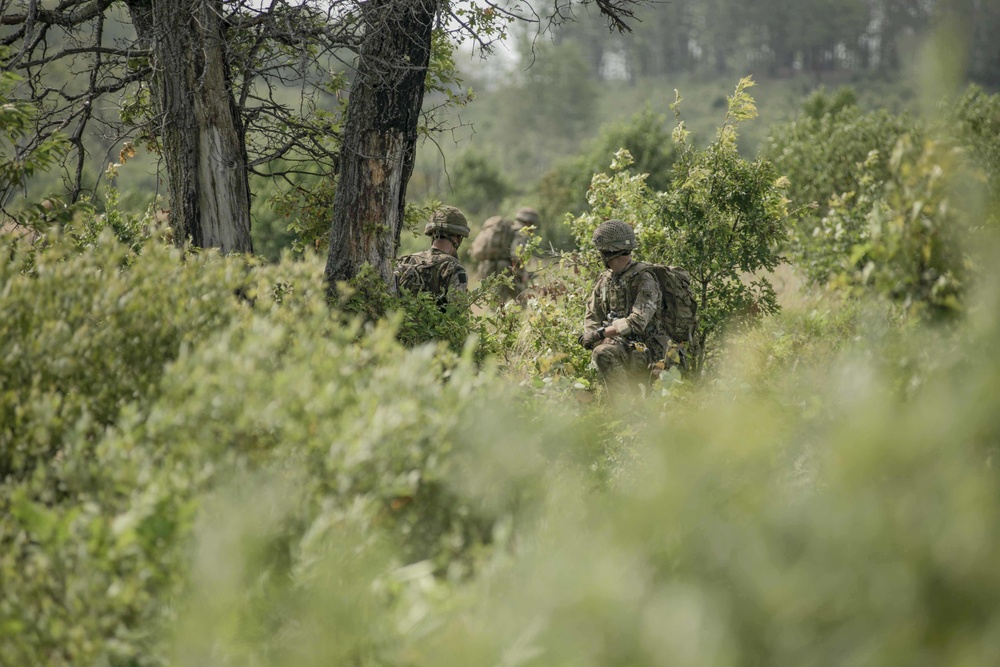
623, 324
437, 270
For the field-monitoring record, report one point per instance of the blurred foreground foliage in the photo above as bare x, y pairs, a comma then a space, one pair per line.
203, 462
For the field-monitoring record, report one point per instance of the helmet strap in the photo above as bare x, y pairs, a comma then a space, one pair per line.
608, 255
453, 240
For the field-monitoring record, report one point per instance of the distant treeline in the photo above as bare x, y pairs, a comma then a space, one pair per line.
778, 37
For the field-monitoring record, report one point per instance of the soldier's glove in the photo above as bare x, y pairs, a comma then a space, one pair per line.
589, 339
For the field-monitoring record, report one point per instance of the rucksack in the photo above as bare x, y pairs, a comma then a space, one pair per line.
680, 310
494, 240
415, 273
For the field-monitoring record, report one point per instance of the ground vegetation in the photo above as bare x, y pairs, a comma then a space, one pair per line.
205, 459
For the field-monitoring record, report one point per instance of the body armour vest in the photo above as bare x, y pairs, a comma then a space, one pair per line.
618, 295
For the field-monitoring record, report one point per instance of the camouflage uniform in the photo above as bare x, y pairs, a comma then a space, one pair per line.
434, 271
633, 296
629, 300
507, 265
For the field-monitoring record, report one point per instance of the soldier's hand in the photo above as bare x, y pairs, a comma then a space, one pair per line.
610, 332
588, 339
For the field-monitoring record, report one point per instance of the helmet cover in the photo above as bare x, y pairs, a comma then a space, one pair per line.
527, 216
614, 236
447, 221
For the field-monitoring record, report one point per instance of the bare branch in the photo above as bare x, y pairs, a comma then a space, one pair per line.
618, 12
68, 14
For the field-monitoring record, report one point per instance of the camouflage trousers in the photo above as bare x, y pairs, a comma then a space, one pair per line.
622, 366
492, 267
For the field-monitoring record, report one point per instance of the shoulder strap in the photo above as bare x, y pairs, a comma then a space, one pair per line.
641, 266
635, 270
601, 286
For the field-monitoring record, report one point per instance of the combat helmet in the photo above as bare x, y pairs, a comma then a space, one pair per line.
527, 216
447, 221
614, 236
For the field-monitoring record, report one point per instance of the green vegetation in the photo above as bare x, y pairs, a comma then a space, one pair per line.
205, 463
835, 156
16, 119
203, 460
720, 217
891, 195
563, 189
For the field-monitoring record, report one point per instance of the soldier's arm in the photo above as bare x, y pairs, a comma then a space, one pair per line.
592, 319
458, 281
647, 303
594, 315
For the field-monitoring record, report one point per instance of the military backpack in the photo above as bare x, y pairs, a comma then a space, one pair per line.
418, 273
679, 310
494, 240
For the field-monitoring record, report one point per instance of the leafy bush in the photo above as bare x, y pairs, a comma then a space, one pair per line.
205, 463
975, 121
81, 338
132, 389
563, 189
723, 217
309, 210
478, 186
913, 251
834, 156
899, 199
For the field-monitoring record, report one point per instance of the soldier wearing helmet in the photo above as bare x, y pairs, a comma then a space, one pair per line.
496, 248
622, 324
437, 270
527, 216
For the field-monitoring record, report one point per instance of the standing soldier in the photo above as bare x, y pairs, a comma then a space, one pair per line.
437, 270
496, 247
623, 324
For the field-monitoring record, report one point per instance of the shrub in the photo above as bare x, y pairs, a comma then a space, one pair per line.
205, 463
835, 157
913, 251
563, 189
975, 120
133, 390
478, 187
721, 218
81, 337
821, 522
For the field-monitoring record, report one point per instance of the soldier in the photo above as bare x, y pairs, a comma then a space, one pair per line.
623, 323
496, 247
437, 270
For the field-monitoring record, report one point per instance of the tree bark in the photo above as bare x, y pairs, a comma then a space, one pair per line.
200, 127
379, 138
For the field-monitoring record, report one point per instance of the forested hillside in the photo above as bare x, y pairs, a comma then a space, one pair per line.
215, 456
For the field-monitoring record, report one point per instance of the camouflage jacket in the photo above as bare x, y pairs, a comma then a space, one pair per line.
431, 271
634, 298
499, 240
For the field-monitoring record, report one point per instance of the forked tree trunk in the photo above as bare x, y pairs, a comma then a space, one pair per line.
380, 137
200, 127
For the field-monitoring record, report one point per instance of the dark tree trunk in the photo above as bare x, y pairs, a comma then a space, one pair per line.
199, 125
380, 136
